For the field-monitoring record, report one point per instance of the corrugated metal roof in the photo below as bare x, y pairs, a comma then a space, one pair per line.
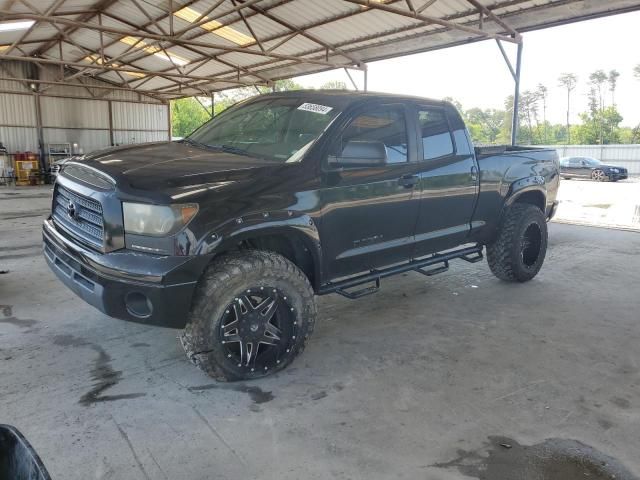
208, 45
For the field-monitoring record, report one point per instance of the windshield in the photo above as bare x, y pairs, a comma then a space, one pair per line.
277, 129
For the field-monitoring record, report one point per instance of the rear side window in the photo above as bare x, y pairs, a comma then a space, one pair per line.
384, 126
436, 136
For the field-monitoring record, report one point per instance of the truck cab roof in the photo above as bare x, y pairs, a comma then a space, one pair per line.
349, 97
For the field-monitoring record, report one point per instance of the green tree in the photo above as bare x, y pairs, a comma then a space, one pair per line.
599, 127
543, 93
568, 81
597, 80
613, 84
484, 125
187, 114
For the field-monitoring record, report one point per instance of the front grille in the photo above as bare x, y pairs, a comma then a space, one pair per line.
82, 220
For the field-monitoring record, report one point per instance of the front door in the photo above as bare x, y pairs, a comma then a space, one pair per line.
448, 181
370, 210
578, 167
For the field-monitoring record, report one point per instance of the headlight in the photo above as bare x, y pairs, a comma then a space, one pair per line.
156, 220
614, 170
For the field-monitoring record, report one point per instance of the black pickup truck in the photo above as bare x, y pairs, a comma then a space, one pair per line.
231, 232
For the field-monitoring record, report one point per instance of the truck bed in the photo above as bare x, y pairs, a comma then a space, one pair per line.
489, 150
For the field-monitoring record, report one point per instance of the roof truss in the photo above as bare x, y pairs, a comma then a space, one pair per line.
150, 47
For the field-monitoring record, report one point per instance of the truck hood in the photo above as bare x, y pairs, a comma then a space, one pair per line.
168, 167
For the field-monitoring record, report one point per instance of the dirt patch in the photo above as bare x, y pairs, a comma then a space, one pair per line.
554, 459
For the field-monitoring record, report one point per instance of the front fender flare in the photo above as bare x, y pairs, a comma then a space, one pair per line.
229, 234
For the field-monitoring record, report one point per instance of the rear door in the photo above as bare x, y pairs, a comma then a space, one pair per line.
370, 212
448, 179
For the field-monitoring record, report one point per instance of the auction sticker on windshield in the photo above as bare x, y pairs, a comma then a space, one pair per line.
314, 107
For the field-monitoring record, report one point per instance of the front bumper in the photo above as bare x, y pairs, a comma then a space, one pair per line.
138, 287
617, 176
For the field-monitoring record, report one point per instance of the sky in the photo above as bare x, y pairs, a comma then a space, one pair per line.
477, 76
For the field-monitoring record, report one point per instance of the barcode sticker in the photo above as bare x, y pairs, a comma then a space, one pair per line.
313, 107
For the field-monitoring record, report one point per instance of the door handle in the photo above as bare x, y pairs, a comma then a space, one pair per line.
474, 173
408, 181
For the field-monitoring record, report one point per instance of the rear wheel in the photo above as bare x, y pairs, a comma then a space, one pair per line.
251, 316
598, 176
518, 253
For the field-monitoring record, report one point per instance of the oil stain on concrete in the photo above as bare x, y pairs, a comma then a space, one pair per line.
255, 393
554, 459
102, 373
8, 318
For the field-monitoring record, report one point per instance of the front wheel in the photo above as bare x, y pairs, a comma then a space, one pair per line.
251, 316
599, 176
518, 252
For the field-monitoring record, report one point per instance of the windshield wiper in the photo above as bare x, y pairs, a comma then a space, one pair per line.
234, 150
194, 143
223, 148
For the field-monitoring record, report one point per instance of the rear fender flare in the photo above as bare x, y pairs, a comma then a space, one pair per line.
529, 184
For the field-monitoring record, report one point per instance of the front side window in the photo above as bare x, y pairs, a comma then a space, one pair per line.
436, 135
277, 129
382, 129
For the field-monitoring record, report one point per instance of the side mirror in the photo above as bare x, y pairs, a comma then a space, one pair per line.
360, 153
18, 459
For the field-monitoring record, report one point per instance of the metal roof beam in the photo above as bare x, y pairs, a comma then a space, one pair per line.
139, 34
427, 19
22, 37
484, 10
304, 33
97, 7
205, 56
125, 69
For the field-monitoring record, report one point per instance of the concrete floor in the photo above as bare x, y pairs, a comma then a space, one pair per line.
397, 385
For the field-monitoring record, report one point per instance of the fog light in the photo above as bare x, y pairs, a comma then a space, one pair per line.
138, 304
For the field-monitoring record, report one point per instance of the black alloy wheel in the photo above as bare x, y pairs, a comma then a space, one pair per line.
530, 245
258, 330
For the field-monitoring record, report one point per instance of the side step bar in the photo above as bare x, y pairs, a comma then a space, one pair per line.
468, 254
